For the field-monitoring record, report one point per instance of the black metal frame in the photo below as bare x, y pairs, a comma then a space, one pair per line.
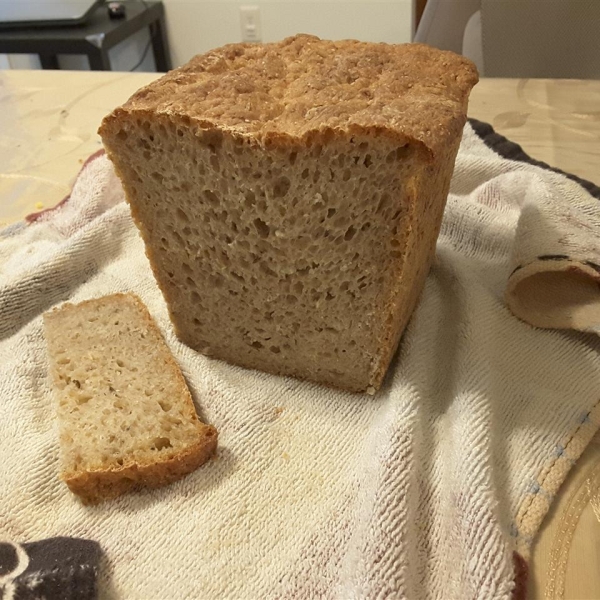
94, 39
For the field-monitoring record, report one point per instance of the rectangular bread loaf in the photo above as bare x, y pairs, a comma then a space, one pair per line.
125, 413
290, 196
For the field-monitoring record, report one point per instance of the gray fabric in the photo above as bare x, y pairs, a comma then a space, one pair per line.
472, 47
443, 23
59, 568
541, 38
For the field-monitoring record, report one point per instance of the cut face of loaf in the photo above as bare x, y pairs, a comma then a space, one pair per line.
290, 229
125, 414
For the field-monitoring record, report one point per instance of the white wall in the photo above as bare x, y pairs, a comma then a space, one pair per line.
196, 26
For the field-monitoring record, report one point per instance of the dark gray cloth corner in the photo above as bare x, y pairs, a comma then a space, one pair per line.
60, 568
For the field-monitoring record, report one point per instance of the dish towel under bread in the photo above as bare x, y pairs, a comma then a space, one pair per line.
434, 488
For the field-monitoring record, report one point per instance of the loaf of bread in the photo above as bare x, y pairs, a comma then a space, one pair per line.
125, 414
290, 197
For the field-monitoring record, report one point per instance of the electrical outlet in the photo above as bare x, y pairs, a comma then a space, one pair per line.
250, 22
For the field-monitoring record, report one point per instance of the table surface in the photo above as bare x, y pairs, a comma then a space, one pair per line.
48, 123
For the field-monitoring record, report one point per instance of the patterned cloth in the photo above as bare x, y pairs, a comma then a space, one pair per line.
434, 488
54, 569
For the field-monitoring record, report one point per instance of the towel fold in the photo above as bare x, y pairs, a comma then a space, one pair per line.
433, 488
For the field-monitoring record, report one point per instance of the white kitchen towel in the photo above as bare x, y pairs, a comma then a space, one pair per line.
433, 488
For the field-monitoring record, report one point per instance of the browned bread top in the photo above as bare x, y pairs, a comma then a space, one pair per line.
288, 91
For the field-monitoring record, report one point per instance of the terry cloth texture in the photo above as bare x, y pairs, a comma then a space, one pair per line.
433, 488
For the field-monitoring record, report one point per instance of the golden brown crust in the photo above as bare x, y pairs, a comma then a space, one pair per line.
94, 486
432, 182
302, 87
302, 92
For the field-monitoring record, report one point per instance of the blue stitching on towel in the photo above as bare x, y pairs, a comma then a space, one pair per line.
560, 452
584, 418
536, 488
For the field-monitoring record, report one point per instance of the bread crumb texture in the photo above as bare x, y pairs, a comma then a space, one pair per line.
290, 196
125, 414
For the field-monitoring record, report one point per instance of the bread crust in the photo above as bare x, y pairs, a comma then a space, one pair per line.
305, 92
103, 484
95, 485
299, 90
433, 182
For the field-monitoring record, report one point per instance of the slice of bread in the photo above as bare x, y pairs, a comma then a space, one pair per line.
126, 416
290, 196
